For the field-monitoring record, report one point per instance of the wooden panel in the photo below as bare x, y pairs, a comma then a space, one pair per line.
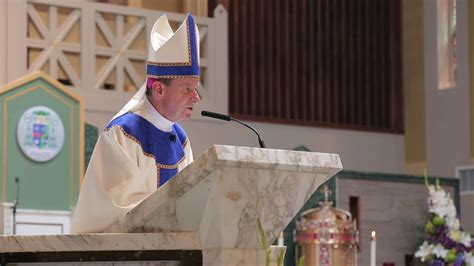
269, 84
312, 87
334, 63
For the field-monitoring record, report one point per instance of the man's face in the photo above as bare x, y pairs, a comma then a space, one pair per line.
178, 99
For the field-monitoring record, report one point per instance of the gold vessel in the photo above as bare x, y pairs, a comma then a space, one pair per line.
326, 236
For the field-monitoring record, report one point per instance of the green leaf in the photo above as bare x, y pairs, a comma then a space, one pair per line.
426, 178
262, 234
267, 257
280, 257
301, 261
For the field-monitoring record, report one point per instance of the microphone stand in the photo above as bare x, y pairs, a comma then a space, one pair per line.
260, 141
15, 203
229, 118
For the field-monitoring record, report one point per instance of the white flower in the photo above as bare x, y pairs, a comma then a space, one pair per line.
450, 206
450, 222
424, 251
436, 194
456, 224
469, 258
440, 251
465, 239
441, 211
441, 204
455, 235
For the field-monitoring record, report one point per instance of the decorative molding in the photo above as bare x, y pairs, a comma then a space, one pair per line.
41, 75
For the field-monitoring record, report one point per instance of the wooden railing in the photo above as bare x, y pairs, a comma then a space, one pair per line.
334, 63
100, 49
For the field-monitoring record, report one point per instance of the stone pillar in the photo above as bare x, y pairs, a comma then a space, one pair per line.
6, 218
414, 86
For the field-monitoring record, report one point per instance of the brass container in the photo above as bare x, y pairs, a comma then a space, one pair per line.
326, 236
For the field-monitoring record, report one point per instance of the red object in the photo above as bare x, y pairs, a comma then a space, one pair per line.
388, 264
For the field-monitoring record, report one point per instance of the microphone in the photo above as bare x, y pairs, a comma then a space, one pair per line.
229, 118
216, 115
173, 137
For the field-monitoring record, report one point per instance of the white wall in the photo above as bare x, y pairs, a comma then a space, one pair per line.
358, 150
447, 111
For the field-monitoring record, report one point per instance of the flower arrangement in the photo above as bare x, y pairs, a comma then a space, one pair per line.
446, 244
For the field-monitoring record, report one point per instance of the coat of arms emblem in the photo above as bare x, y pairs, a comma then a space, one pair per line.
40, 133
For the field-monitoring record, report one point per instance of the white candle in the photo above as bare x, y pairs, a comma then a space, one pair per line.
372, 249
280, 239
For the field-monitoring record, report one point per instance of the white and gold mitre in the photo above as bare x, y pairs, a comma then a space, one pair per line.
170, 55
173, 54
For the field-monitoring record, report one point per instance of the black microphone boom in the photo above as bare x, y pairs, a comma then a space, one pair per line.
216, 115
229, 118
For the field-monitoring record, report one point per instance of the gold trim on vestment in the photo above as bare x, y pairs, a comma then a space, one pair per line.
163, 166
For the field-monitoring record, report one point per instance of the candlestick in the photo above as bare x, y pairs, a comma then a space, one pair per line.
281, 239
372, 249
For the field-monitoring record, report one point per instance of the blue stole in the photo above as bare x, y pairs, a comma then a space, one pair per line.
166, 147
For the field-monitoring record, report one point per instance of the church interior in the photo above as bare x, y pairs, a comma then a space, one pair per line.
370, 100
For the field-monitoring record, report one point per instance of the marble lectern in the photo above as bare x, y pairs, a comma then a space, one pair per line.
212, 206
